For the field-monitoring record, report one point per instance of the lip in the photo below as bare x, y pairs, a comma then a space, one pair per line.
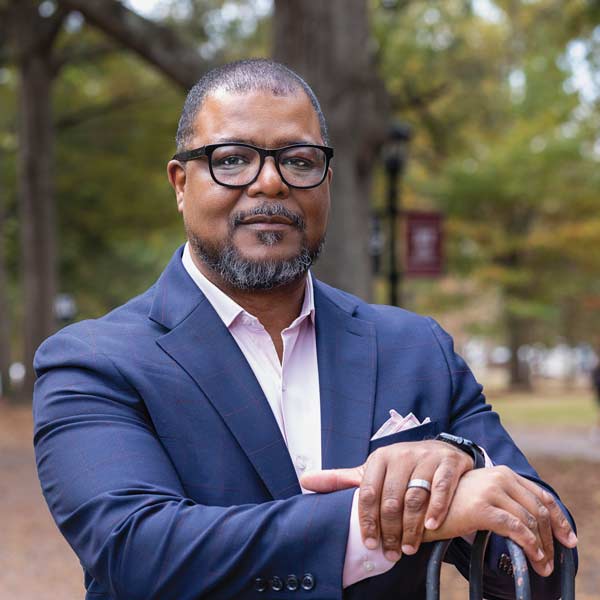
267, 226
266, 220
267, 223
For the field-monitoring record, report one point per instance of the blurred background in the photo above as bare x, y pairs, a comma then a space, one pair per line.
466, 186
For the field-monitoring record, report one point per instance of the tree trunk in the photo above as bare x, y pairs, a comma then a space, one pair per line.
519, 371
35, 182
328, 44
5, 336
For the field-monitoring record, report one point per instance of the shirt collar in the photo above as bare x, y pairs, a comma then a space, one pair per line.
229, 310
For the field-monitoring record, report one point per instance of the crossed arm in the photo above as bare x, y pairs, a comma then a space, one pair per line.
118, 500
462, 501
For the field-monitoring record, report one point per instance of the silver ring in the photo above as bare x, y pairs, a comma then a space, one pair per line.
419, 483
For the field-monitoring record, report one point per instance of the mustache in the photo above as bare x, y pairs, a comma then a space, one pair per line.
268, 209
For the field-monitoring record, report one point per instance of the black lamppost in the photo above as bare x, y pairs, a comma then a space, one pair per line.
395, 154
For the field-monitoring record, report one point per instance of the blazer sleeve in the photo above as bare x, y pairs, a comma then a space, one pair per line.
117, 499
473, 418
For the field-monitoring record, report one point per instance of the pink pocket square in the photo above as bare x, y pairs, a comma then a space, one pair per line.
397, 423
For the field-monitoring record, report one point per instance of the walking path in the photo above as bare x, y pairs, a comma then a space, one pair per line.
558, 443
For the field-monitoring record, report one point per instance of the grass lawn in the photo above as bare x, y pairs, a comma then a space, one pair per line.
546, 408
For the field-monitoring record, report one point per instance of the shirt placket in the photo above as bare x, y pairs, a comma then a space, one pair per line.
291, 411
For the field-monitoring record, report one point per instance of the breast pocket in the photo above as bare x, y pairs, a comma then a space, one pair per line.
414, 434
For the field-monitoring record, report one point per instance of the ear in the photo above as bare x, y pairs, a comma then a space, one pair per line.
329, 174
177, 176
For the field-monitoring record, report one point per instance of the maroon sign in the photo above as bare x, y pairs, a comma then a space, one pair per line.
424, 244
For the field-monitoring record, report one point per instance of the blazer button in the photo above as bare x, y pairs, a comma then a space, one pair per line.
308, 581
276, 584
505, 564
260, 584
292, 583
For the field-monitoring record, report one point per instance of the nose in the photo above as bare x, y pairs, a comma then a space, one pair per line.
269, 182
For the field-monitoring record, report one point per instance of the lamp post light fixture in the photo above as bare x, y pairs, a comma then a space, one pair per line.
395, 155
65, 308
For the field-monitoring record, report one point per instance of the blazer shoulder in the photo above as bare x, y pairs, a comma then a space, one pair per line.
118, 327
391, 323
382, 315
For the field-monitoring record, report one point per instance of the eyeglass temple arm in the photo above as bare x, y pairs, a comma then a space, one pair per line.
190, 154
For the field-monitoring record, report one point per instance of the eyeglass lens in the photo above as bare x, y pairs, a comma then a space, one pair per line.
300, 166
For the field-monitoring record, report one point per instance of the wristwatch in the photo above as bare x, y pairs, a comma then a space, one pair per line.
465, 445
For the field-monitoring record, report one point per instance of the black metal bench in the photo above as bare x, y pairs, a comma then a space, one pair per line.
519, 563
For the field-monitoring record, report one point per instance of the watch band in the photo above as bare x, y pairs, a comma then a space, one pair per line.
465, 445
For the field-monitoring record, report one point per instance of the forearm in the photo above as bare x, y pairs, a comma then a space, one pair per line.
117, 498
173, 549
128, 519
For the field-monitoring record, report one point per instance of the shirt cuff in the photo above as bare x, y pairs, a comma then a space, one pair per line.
361, 562
488, 463
488, 460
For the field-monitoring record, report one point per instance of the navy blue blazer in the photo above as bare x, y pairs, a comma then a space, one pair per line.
165, 470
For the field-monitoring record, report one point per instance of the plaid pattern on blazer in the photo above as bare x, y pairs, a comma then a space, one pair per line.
165, 470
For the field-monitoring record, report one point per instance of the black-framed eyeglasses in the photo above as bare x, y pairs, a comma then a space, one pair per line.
238, 165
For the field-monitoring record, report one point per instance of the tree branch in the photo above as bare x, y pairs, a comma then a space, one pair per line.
50, 27
155, 43
91, 112
70, 55
420, 100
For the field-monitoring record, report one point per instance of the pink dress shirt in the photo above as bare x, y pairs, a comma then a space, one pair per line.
292, 390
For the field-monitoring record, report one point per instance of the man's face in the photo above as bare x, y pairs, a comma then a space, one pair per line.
266, 222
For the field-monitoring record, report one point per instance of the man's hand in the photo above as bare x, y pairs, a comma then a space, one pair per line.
387, 510
495, 499
499, 500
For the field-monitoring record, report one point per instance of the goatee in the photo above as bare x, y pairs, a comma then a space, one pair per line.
245, 274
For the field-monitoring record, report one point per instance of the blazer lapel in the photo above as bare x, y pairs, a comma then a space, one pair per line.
347, 356
201, 344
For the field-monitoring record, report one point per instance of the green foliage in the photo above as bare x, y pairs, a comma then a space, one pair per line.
115, 119
8, 197
507, 146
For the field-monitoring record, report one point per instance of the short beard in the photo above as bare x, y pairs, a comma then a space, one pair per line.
244, 274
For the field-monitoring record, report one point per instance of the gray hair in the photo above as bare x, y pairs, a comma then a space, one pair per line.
255, 74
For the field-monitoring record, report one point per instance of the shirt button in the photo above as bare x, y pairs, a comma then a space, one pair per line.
368, 565
308, 582
301, 462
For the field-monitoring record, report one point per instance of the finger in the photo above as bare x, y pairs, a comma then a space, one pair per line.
392, 506
369, 498
443, 485
536, 551
514, 526
561, 527
332, 480
416, 501
530, 500
528, 497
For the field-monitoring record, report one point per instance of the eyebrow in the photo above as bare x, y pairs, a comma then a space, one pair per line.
279, 143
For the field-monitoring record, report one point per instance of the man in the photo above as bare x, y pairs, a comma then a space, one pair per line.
173, 434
